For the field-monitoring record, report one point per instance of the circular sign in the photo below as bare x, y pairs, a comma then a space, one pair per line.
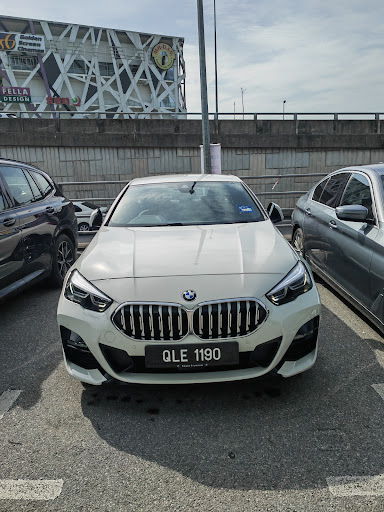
163, 55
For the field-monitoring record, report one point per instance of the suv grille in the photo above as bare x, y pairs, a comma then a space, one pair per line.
171, 322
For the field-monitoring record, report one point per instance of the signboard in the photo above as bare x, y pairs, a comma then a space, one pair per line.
15, 99
27, 43
15, 91
215, 159
64, 101
163, 55
15, 94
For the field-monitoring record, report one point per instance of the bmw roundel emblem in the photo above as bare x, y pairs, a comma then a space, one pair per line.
189, 295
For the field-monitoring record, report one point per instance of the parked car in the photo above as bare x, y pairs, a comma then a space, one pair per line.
89, 216
4, 115
338, 227
38, 228
188, 281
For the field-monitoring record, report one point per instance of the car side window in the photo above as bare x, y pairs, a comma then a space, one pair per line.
2, 201
77, 209
43, 183
319, 190
358, 191
17, 184
35, 189
333, 189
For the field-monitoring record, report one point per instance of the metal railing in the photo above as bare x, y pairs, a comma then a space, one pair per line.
295, 116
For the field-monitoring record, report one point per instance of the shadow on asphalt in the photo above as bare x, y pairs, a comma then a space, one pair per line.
29, 342
264, 434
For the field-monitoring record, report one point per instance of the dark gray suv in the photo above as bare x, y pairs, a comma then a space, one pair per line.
339, 227
38, 228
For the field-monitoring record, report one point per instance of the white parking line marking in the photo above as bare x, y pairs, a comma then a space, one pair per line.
42, 490
356, 485
379, 388
7, 399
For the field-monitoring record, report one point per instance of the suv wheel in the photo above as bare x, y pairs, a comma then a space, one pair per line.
62, 259
298, 241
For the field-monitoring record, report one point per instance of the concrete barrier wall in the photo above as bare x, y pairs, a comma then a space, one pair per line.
87, 150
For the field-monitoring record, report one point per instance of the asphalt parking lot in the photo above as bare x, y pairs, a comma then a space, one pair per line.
311, 443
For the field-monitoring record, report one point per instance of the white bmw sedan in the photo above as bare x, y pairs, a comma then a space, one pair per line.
188, 281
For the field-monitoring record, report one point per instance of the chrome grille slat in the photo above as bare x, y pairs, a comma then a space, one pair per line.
229, 313
179, 321
210, 320
161, 322
238, 318
248, 322
170, 323
225, 319
131, 323
220, 320
141, 323
200, 322
122, 318
150, 320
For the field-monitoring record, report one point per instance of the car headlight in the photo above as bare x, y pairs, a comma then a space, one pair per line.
297, 282
81, 291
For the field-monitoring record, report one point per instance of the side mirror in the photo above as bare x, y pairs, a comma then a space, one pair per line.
352, 212
275, 213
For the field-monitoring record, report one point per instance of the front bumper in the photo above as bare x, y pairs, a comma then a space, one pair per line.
96, 338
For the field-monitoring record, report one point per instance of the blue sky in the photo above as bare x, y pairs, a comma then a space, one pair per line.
319, 56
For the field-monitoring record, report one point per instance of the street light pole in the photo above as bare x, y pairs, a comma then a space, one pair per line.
217, 96
242, 99
203, 87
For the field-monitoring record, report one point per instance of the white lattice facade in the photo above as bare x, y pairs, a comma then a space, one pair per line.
72, 69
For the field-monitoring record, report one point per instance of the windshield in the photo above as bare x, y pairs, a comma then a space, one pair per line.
185, 203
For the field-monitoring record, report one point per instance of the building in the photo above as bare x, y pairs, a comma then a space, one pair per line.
50, 67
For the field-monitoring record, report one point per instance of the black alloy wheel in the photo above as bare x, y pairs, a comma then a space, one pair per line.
298, 241
62, 259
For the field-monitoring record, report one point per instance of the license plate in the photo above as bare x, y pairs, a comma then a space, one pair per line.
192, 356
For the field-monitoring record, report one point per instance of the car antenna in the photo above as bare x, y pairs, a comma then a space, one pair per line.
193, 186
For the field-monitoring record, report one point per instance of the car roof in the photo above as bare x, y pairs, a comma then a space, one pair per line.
369, 168
17, 162
177, 178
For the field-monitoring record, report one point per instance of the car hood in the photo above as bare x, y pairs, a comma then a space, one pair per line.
117, 252
252, 248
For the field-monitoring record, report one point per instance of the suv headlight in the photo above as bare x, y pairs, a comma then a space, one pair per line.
81, 291
295, 283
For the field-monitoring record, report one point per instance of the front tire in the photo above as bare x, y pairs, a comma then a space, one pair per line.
63, 258
298, 241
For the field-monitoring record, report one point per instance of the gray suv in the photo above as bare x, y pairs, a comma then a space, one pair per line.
339, 227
